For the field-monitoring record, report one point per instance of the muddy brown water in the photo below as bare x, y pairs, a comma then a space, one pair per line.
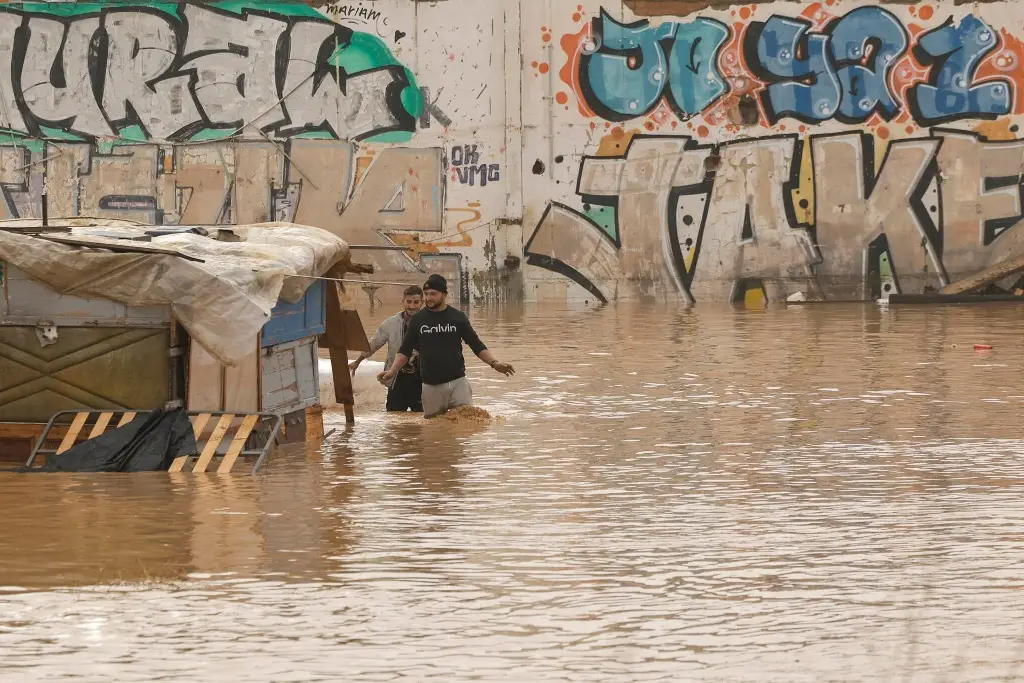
803, 494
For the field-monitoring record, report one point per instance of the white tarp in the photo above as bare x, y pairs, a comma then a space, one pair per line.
223, 302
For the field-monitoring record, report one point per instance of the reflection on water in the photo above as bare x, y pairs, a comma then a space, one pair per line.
804, 494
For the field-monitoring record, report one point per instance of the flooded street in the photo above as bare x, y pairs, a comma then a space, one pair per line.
818, 493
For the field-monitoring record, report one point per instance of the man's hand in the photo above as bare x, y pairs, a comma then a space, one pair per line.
504, 368
354, 365
386, 377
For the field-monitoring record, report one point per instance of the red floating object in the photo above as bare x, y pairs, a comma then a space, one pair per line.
982, 347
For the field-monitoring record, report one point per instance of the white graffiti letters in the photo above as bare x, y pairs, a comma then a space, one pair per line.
167, 76
235, 70
55, 80
141, 48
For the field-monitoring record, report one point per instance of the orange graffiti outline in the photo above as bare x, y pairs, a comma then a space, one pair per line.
465, 240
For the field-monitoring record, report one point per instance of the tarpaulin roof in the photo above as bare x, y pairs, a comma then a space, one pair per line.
222, 292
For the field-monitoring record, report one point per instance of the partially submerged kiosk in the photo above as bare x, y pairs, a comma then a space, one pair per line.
102, 321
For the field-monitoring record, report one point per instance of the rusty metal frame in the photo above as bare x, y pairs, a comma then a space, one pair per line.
261, 453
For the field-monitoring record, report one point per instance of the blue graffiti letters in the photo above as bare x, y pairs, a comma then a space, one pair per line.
954, 53
872, 34
806, 88
844, 71
627, 73
694, 81
625, 68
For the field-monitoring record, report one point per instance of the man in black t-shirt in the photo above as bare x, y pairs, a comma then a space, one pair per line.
437, 332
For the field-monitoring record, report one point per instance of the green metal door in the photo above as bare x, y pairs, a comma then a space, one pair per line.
87, 368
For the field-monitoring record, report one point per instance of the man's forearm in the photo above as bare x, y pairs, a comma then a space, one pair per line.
400, 360
487, 357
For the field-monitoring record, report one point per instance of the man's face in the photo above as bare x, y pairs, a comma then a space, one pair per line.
433, 298
413, 303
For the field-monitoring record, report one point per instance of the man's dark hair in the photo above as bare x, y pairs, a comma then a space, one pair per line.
413, 290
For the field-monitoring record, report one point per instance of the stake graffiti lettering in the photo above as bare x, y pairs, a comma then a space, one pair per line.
705, 221
849, 68
196, 71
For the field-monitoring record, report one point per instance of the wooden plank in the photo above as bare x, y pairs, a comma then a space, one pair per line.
126, 418
117, 245
1000, 271
179, 463
73, 431
26, 430
343, 392
343, 327
198, 425
237, 444
101, 425
211, 446
242, 383
204, 380
338, 339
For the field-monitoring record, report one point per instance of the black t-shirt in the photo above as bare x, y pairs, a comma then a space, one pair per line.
438, 336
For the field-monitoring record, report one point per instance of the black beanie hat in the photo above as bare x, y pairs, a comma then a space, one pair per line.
436, 283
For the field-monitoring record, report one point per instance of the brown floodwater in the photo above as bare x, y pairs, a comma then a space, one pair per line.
821, 493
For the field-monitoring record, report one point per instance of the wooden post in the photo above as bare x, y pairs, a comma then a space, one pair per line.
999, 271
344, 333
336, 341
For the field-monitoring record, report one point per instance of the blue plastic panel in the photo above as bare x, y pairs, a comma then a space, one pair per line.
289, 322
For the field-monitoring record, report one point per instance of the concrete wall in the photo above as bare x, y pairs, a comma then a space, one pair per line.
546, 149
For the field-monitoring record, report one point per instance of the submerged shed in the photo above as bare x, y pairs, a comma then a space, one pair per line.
112, 315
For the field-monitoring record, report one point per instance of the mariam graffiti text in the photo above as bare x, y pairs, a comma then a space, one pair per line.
811, 68
197, 71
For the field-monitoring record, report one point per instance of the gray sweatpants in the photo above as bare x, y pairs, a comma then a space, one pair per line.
440, 398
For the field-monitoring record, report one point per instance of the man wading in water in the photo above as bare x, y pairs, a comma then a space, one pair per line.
437, 332
404, 392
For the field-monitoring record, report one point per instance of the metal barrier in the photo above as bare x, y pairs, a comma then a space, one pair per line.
227, 440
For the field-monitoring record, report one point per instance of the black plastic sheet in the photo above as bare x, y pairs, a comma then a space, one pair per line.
149, 443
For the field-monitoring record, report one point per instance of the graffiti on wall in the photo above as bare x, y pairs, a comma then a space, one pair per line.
813, 68
308, 181
899, 202
212, 113
467, 168
717, 219
193, 71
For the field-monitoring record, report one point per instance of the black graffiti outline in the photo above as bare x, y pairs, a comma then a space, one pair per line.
788, 186
22, 35
874, 44
556, 265
753, 36
666, 45
8, 189
175, 70
935, 65
178, 25
931, 228
705, 186
750, 41
406, 122
993, 228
